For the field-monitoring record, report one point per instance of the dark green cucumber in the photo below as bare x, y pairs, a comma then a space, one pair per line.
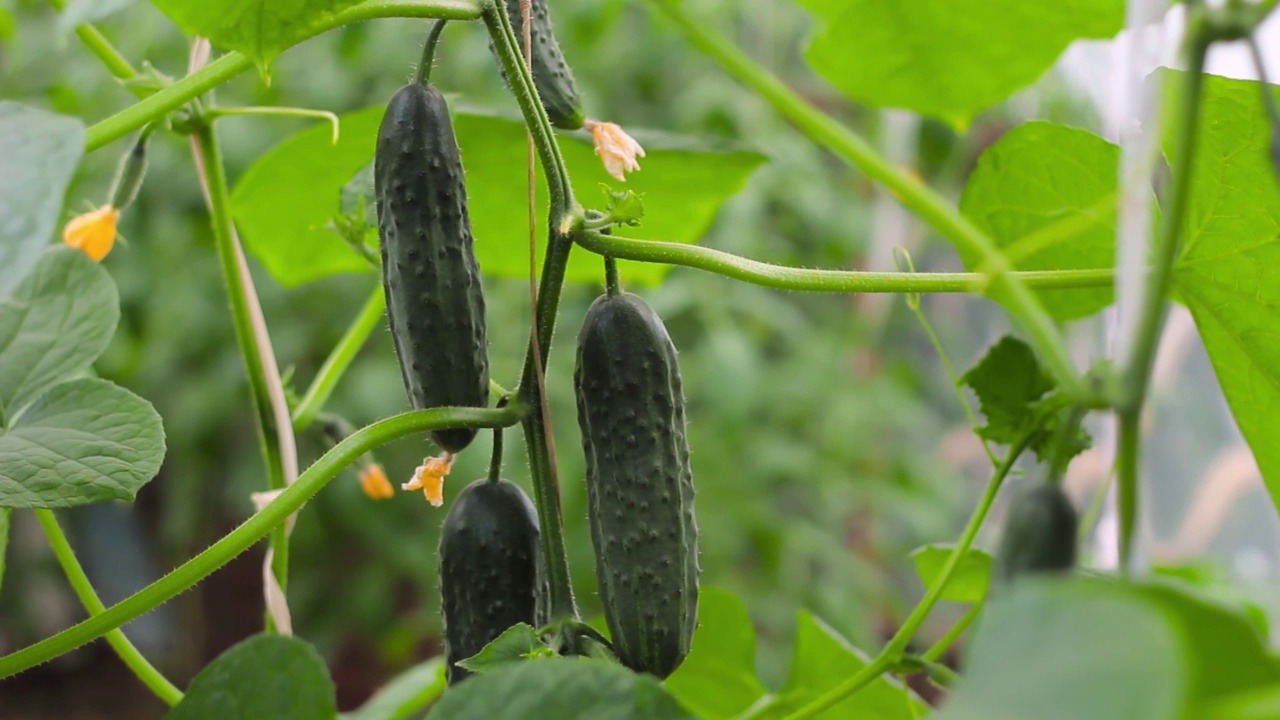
639, 483
1040, 534
435, 302
490, 568
551, 74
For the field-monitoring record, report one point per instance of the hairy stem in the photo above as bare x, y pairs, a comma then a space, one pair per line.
915, 195
232, 64
808, 280
257, 526
889, 655
340, 358
144, 670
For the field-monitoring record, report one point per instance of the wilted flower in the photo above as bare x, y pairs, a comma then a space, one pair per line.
429, 478
93, 232
617, 149
373, 479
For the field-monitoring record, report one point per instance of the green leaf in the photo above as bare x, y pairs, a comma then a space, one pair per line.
516, 644
1229, 271
824, 659
266, 676
1019, 397
58, 320
406, 694
5, 515
718, 678
260, 29
947, 59
1037, 176
969, 582
623, 207
40, 151
285, 200
82, 441
1053, 650
560, 688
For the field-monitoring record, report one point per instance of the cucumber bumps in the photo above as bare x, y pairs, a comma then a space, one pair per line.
552, 77
435, 302
1039, 535
490, 568
639, 484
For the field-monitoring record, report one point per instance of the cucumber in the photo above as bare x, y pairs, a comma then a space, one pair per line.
435, 302
1039, 535
491, 574
639, 482
552, 77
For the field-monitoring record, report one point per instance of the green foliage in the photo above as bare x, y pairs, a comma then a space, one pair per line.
1050, 184
1224, 274
260, 29
266, 676
405, 695
562, 688
717, 681
5, 515
948, 59
1020, 399
518, 643
41, 151
822, 660
284, 202
969, 582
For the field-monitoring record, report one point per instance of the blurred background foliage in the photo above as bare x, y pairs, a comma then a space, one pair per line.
827, 440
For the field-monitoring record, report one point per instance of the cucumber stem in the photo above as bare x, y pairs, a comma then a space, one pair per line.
495, 460
611, 276
423, 75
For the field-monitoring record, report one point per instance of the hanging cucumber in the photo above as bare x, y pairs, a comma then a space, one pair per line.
1039, 534
435, 302
639, 483
552, 77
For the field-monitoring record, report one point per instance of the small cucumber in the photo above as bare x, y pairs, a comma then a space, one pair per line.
435, 302
639, 482
551, 74
1039, 534
491, 573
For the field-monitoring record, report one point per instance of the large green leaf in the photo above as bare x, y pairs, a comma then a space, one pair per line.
406, 693
1065, 651
82, 441
560, 688
1038, 175
824, 659
260, 29
58, 320
266, 676
718, 678
948, 59
969, 582
40, 152
285, 200
1229, 270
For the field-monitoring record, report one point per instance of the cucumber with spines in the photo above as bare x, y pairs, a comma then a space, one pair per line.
1040, 534
552, 77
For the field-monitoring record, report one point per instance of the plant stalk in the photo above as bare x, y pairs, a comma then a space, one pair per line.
340, 358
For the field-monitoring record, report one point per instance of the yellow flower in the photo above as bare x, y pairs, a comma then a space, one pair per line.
617, 149
373, 479
429, 478
93, 232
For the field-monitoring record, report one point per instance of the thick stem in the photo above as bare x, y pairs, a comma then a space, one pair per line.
340, 358
889, 655
232, 64
98, 44
243, 301
144, 670
1128, 455
611, 283
257, 526
806, 280
915, 195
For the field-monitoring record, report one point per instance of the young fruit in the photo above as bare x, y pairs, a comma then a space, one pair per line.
1039, 535
490, 568
639, 483
551, 74
435, 302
